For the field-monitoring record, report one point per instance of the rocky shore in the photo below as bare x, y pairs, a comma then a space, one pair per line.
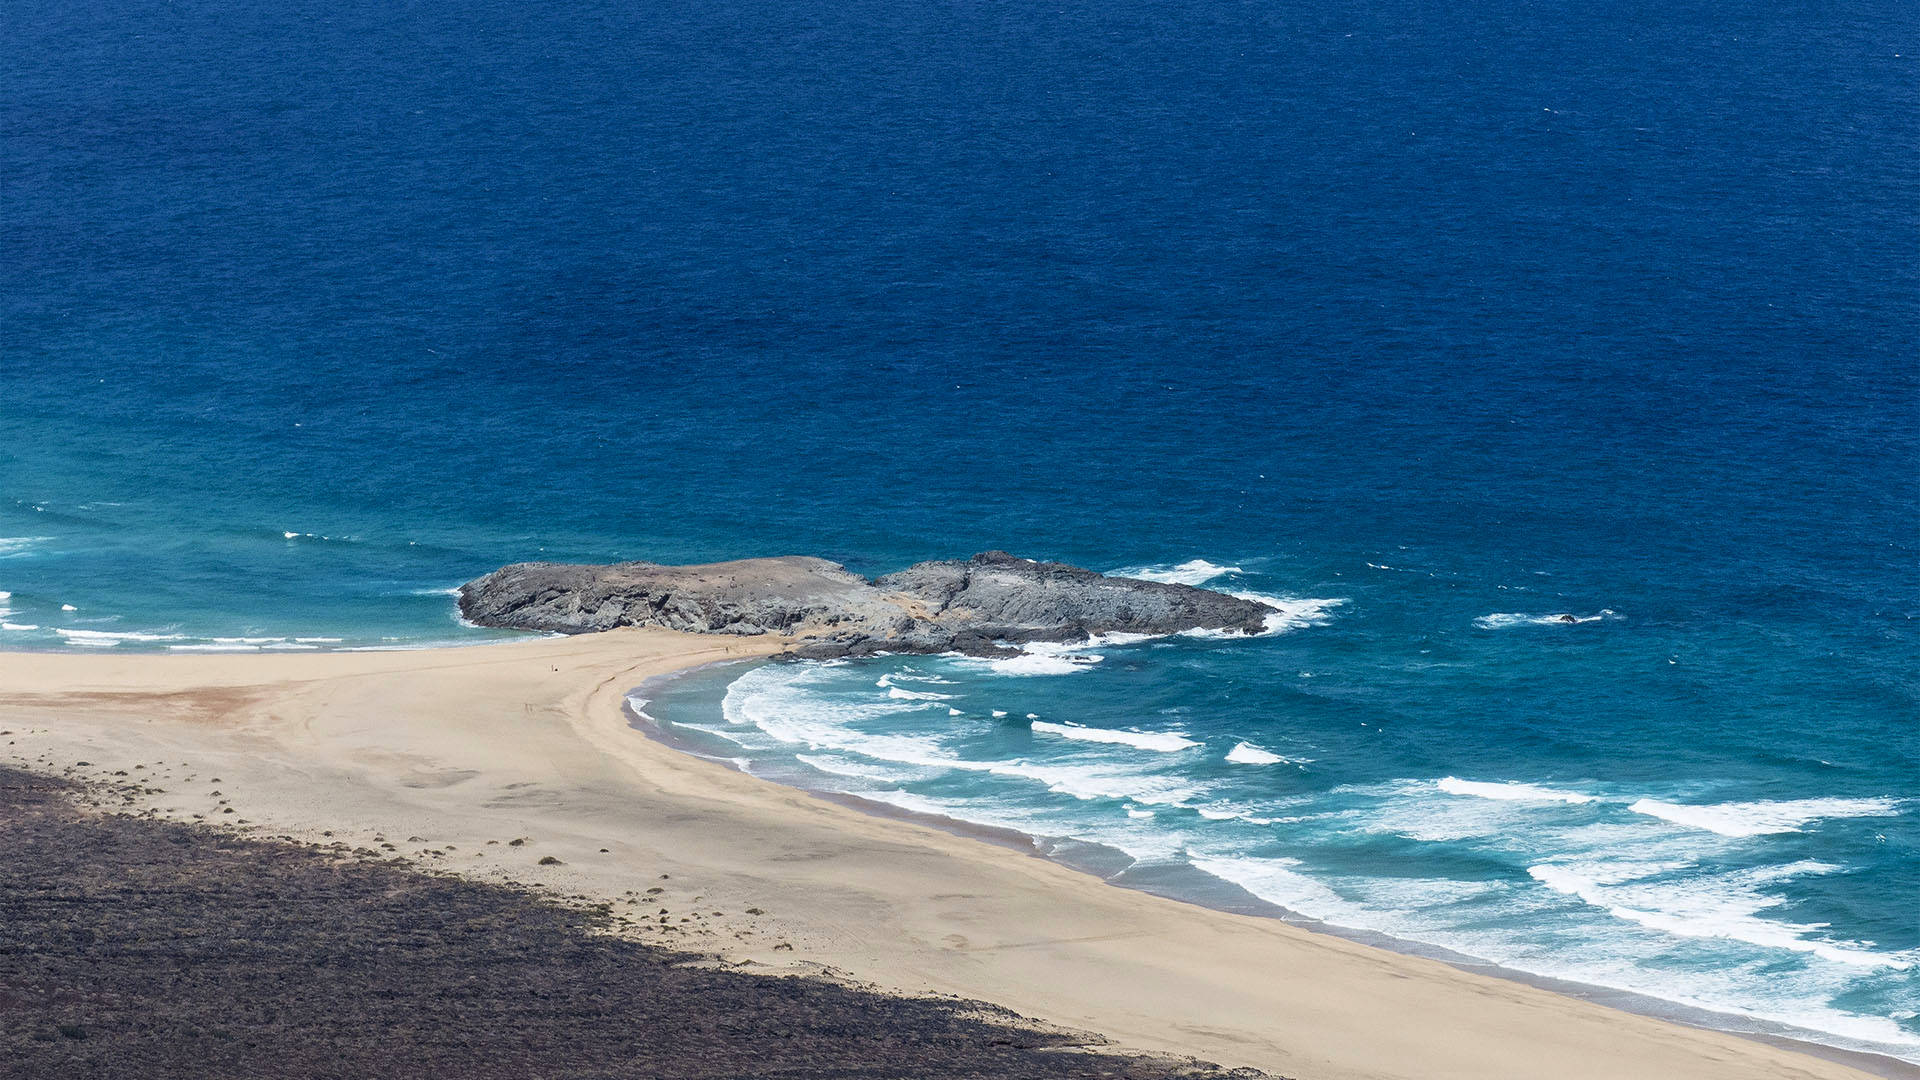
986, 605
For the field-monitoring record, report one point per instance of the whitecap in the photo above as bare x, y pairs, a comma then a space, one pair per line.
20, 545
1246, 753
1192, 572
999, 713
1712, 906
19, 626
1289, 612
1160, 742
1095, 781
917, 676
1501, 620
1742, 819
110, 638
1512, 790
1278, 881
232, 647
898, 694
1294, 612
1043, 664
887, 772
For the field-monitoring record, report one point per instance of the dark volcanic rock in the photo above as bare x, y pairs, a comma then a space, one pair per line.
980, 605
1004, 596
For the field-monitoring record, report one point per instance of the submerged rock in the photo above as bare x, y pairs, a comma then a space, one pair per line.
984, 605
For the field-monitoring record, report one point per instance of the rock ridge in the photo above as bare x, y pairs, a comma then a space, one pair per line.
987, 605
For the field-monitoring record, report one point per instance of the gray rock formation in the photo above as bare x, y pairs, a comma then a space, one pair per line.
984, 605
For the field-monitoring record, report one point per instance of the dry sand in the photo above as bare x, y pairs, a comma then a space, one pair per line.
450, 755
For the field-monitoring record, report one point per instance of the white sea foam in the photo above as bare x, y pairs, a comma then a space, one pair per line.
1277, 881
999, 713
898, 694
1511, 790
108, 638
1714, 906
1054, 657
1740, 819
922, 804
840, 765
955, 712
68, 607
779, 702
19, 545
1192, 572
19, 626
1416, 909
1289, 612
1164, 742
1097, 781
1028, 663
775, 700
1655, 944
247, 644
213, 647
1501, 620
1294, 612
917, 676
1248, 754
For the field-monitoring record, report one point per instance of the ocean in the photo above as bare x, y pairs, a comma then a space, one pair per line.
1435, 323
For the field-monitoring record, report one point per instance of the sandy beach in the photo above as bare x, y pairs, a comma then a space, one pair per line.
489, 760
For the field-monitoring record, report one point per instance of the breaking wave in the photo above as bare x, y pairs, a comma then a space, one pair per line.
1510, 790
1159, 742
1742, 819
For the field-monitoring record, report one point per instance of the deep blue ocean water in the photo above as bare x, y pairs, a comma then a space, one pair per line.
1460, 315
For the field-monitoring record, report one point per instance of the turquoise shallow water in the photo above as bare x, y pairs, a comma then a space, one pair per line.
1461, 318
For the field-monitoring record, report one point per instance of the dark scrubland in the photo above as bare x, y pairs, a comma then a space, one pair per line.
139, 948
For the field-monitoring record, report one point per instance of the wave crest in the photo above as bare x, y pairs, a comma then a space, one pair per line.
1509, 790
1741, 819
1160, 742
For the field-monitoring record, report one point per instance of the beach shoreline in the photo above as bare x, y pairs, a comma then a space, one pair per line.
531, 741
1245, 903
